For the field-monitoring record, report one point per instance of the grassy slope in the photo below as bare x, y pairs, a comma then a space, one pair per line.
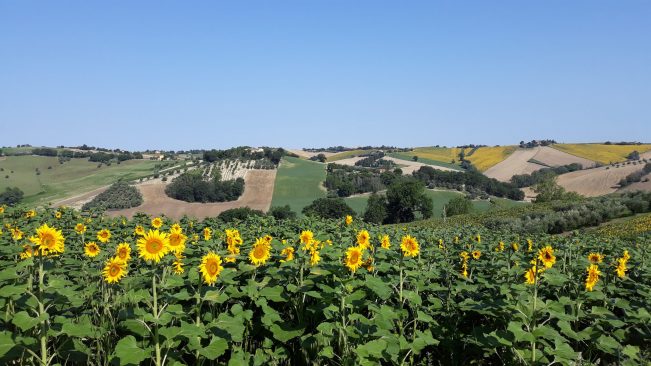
408, 156
347, 154
600, 152
439, 199
73, 177
298, 183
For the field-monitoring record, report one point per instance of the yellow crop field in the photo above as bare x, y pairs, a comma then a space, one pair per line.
601, 152
486, 157
347, 154
443, 154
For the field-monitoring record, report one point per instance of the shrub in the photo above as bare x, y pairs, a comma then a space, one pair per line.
11, 195
329, 208
458, 206
376, 209
240, 213
282, 213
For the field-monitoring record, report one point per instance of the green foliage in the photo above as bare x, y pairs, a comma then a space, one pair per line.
526, 180
192, 187
118, 196
472, 181
407, 201
458, 206
548, 190
240, 213
282, 212
298, 183
376, 209
11, 196
328, 208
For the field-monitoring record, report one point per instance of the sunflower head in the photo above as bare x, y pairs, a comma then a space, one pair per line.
153, 245
57, 214
103, 235
288, 253
176, 227
385, 242
207, 233
363, 239
354, 258
177, 241
315, 258
260, 252
210, 267
530, 276
49, 240
123, 252
409, 246
306, 237
595, 258
476, 254
349, 220
157, 222
91, 249
114, 270
80, 228
593, 277
139, 230
546, 256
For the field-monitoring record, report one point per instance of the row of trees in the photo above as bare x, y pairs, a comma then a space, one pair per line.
527, 180
344, 180
374, 160
97, 157
246, 153
469, 179
118, 196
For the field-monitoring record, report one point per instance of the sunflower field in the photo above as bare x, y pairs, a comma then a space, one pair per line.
82, 290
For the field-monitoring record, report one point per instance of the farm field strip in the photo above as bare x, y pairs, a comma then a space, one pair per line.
602, 153
298, 183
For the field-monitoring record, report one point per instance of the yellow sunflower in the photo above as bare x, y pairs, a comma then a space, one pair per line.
621, 268
123, 252
349, 220
529, 245
530, 276
288, 253
207, 233
57, 214
16, 233
103, 235
27, 252
153, 246
596, 257
29, 214
2, 210
385, 242
177, 241
593, 277
176, 227
177, 266
157, 222
114, 270
515, 247
546, 256
409, 246
476, 254
139, 230
363, 239
353, 258
49, 240
260, 252
478, 238
306, 237
91, 249
626, 256
210, 267
80, 228
315, 258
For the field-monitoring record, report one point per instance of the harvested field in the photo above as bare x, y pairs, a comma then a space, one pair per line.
552, 157
639, 186
258, 191
409, 167
308, 154
349, 161
516, 163
597, 181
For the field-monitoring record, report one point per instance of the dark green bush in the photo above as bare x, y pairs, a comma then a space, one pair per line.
118, 196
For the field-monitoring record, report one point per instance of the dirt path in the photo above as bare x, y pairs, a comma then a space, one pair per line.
79, 200
258, 192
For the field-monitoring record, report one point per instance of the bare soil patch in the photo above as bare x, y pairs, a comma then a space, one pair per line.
516, 163
258, 192
409, 167
597, 181
307, 154
552, 157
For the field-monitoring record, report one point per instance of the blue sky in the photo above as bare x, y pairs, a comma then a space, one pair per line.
214, 74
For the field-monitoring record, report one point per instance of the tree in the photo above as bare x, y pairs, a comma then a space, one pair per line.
376, 209
240, 213
405, 199
282, 213
329, 208
414, 158
458, 206
11, 196
634, 155
548, 190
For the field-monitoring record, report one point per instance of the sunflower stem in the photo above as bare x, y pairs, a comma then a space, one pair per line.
155, 313
41, 311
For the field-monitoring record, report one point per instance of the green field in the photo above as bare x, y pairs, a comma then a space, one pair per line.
408, 156
58, 181
439, 199
348, 154
298, 183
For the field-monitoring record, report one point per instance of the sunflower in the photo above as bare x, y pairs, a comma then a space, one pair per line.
156, 222
626, 256
363, 239
27, 252
2, 210
177, 266
91, 249
456, 240
476, 254
595, 258
207, 233
306, 237
529, 245
49, 240
153, 246
123, 252
103, 235
230, 259
515, 247
478, 238
441, 244
409, 246
80, 228
385, 242
621, 267
530, 275
353, 258
139, 230
546, 256
210, 267
114, 270
315, 258
176, 227
29, 214
349, 220
288, 253
260, 252
500, 247
16, 233
57, 214
592, 278
177, 241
